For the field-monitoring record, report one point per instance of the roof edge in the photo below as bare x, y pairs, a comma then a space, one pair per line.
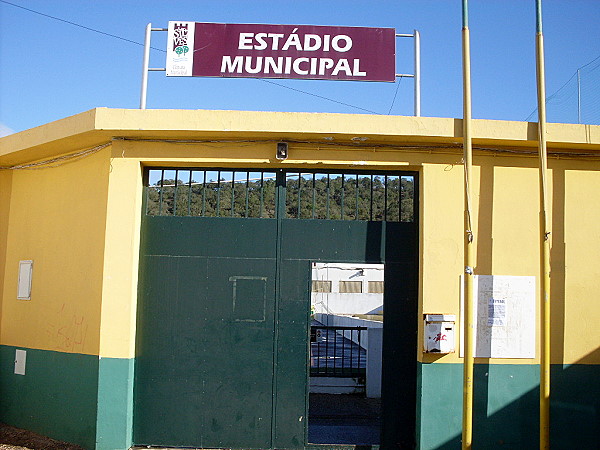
40, 136
100, 125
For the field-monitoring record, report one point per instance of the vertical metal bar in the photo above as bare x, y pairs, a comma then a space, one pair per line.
417, 77
219, 194
147, 197
325, 360
328, 359
356, 217
327, 202
343, 358
299, 194
334, 332
262, 197
326, 345
160, 197
318, 350
175, 193
204, 194
359, 347
314, 353
385, 192
190, 194
342, 199
351, 347
247, 191
145, 62
314, 195
233, 194
400, 199
324, 342
397, 190
343, 350
371, 213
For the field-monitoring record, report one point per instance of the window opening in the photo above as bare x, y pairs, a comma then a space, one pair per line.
350, 287
375, 287
321, 286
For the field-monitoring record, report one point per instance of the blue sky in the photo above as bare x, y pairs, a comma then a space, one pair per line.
50, 69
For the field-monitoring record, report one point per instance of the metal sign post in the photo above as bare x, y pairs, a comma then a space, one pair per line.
417, 70
146, 62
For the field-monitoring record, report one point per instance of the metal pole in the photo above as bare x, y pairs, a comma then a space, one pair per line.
468, 320
145, 67
544, 238
417, 73
578, 95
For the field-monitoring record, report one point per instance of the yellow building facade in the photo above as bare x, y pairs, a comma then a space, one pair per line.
74, 201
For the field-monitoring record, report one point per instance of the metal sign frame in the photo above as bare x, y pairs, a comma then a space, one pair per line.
416, 75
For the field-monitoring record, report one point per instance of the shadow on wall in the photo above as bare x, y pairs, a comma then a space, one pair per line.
575, 391
485, 239
5, 192
574, 410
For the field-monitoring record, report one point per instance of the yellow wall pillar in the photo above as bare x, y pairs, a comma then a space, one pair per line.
119, 299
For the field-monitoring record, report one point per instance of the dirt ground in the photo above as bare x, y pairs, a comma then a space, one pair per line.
12, 438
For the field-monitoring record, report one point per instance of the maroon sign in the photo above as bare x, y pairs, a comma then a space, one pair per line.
281, 51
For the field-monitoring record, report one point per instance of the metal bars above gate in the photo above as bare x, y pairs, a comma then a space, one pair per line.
247, 193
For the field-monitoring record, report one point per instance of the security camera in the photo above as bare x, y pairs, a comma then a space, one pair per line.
282, 151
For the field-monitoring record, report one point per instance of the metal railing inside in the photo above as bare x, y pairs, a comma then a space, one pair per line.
335, 351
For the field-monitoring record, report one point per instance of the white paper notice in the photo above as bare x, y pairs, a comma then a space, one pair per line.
496, 312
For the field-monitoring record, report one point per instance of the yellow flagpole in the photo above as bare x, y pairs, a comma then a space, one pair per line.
544, 238
468, 324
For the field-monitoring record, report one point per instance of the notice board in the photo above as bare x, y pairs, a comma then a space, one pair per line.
505, 316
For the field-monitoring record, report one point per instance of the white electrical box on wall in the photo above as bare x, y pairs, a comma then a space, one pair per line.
24, 283
439, 333
20, 359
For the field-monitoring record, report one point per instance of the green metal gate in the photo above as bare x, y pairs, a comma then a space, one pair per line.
224, 300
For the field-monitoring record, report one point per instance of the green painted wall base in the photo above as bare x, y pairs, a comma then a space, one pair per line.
506, 406
71, 397
115, 404
88, 401
57, 396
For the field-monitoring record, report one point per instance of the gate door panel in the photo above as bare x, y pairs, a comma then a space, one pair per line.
205, 335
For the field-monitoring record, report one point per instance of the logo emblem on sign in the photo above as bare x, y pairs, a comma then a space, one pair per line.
180, 39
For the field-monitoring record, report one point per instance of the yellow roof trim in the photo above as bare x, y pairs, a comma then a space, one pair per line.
100, 125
